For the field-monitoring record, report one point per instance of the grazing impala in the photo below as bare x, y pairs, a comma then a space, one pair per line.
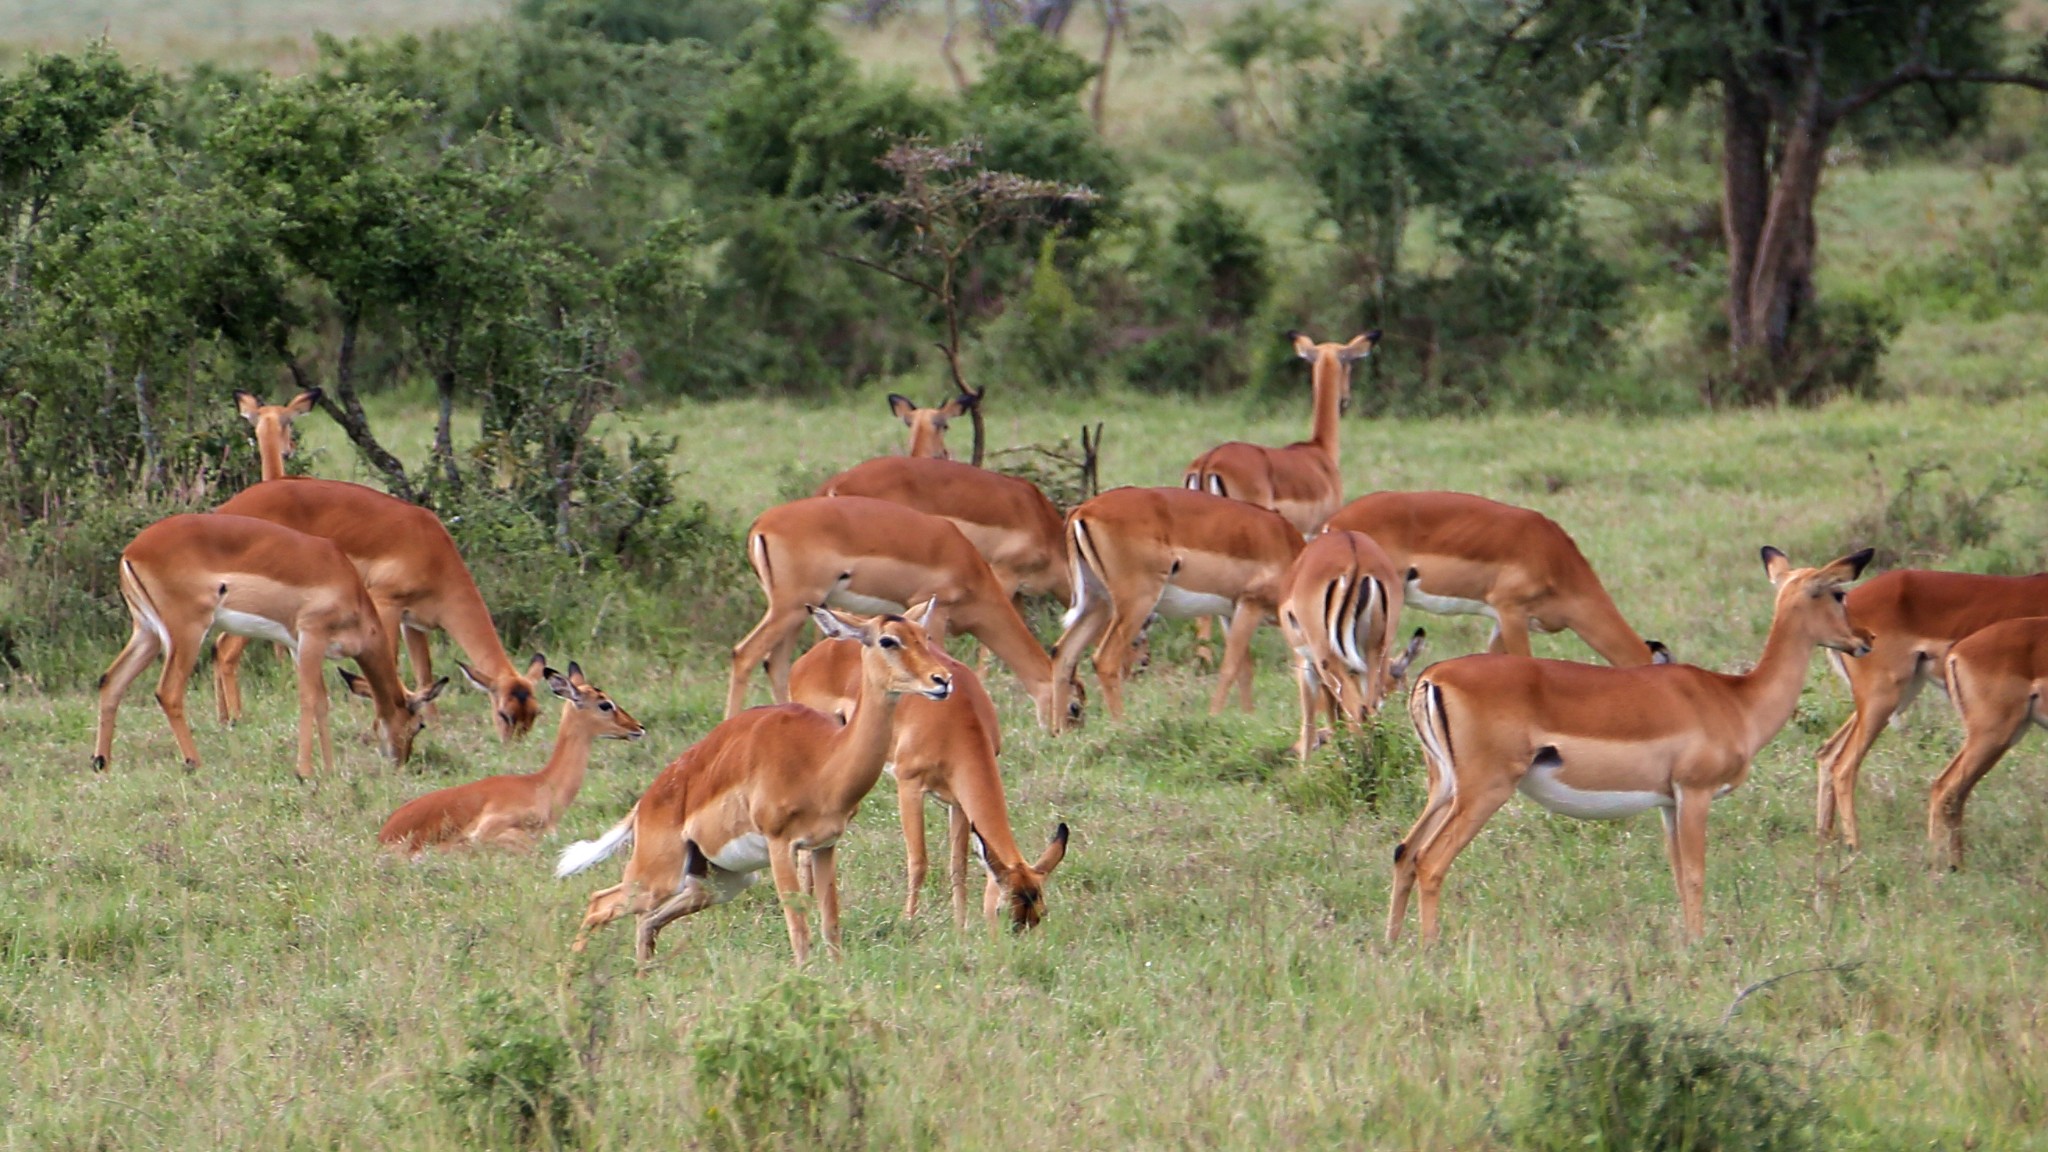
1343, 597
867, 555
945, 749
1915, 615
1998, 679
1467, 555
274, 426
1601, 743
928, 425
757, 788
516, 811
413, 572
1300, 481
1008, 520
186, 575
1177, 553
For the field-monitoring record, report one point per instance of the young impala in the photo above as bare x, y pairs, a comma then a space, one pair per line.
758, 787
866, 555
414, 573
1998, 679
945, 749
186, 575
1467, 555
274, 426
1915, 615
1602, 743
516, 811
1343, 597
928, 425
1008, 520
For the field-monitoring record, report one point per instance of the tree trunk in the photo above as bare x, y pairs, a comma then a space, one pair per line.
1112, 24
1745, 195
1048, 16
1781, 283
444, 438
946, 46
346, 409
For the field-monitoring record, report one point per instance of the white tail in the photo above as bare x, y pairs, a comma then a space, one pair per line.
583, 854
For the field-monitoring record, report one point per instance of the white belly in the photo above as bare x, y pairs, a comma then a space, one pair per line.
748, 853
1542, 785
846, 601
1447, 605
254, 626
1181, 604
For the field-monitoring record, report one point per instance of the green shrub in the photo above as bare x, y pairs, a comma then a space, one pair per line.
783, 1070
1046, 337
1932, 514
1630, 1082
1379, 770
519, 1080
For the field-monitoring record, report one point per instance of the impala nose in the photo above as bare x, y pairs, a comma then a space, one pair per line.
942, 686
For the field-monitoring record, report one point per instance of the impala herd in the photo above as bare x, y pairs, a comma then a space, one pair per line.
897, 554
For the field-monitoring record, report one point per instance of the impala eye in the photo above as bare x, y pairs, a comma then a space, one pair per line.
605, 706
890, 642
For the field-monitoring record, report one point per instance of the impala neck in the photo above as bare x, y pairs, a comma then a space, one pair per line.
563, 776
467, 622
270, 446
1770, 691
998, 626
979, 790
1329, 387
379, 665
858, 751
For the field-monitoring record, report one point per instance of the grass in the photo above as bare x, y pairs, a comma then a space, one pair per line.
189, 956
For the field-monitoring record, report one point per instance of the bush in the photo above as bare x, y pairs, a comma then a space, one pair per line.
783, 1070
1932, 514
519, 1081
1046, 337
1630, 1082
1379, 770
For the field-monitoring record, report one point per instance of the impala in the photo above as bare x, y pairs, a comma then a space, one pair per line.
1998, 679
415, 575
1343, 596
1467, 555
757, 788
516, 811
867, 555
183, 576
945, 749
928, 425
1916, 616
274, 426
1008, 520
1601, 743
1300, 481
1176, 553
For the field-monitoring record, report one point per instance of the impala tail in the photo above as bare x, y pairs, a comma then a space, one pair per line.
585, 854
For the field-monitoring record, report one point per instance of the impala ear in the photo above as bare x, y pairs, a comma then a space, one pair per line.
1659, 654
1303, 346
561, 685
419, 700
1848, 567
537, 667
1360, 347
981, 854
834, 626
1399, 668
1055, 851
960, 405
303, 402
356, 685
919, 614
901, 407
1776, 564
247, 406
477, 682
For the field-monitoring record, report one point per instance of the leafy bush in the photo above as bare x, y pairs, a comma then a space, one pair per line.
1630, 1082
519, 1080
716, 22
1048, 336
1932, 514
783, 1070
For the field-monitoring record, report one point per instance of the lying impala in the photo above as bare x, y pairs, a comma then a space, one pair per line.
1343, 596
1008, 520
1601, 743
274, 426
758, 787
866, 555
1998, 679
945, 749
516, 811
1177, 553
412, 571
1916, 616
928, 425
186, 575
1300, 481
1466, 555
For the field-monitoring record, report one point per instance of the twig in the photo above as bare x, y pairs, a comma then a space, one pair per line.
1840, 968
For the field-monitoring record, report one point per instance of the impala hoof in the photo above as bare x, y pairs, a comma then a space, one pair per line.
99, 763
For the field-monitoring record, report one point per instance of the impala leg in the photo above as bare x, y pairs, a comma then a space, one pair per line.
228, 649
1086, 629
1426, 826
1510, 633
826, 862
1669, 816
1691, 836
957, 830
419, 648
606, 905
313, 705
179, 664
136, 656
1984, 746
1873, 710
782, 864
1824, 781
1468, 812
910, 808
779, 626
1204, 629
1237, 646
693, 897
1311, 686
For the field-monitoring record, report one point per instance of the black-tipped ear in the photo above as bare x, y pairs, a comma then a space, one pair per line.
356, 685
303, 402
422, 699
1776, 563
247, 405
559, 684
967, 401
901, 407
1055, 851
1858, 561
1659, 654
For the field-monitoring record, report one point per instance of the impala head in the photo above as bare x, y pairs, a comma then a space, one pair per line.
1814, 597
1337, 358
1397, 668
590, 705
398, 720
928, 425
274, 421
1022, 886
514, 704
897, 647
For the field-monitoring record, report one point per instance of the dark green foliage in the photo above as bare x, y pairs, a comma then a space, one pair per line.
519, 1079
1932, 514
717, 22
783, 1070
1026, 111
1993, 270
1200, 292
1629, 1082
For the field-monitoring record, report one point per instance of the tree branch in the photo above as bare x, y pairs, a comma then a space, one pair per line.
884, 269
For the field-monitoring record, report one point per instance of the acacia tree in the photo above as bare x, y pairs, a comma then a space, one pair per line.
1790, 76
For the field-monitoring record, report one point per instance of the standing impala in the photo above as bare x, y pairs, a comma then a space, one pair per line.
945, 749
274, 426
516, 811
1601, 743
1916, 616
186, 575
928, 425
757, 788
1343, 597
866, 555
1177, 553
1467, 555
413, 572
1998, 679
1007, 519
1300, 481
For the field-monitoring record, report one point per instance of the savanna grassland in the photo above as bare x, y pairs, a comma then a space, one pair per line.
220, 958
